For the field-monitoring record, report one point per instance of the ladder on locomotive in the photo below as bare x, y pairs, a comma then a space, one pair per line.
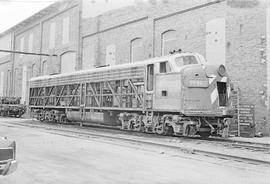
234, 128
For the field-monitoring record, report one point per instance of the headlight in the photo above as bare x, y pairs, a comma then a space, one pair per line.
221, 70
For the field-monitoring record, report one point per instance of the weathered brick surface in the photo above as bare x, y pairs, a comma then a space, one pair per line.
245, 37
245, 29
40, 30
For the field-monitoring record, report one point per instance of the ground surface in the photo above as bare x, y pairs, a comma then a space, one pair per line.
49, 158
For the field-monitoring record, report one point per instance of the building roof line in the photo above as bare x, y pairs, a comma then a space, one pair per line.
37, 15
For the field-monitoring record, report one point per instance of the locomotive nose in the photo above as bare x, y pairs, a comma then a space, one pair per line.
215, 70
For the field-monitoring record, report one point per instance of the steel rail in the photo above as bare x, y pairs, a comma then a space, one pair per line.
227, 142
223, 156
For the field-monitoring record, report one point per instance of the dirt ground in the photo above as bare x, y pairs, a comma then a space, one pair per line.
47, 158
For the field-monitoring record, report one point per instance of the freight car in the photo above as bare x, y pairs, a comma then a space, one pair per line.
177, 94
10, 106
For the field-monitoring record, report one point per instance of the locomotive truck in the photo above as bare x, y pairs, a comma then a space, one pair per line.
10, 106
177, 94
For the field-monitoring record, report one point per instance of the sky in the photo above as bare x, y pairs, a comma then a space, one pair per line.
14, 11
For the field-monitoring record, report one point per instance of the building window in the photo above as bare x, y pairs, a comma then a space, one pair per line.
89, 52
15, 80
44, 67
136, 50
24, 84
110, 55
52, 36
68, 62
168, 42
33, 70
21, 45
8, 83
30, 43
65, 33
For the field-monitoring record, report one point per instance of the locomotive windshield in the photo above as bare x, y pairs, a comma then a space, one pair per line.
186, 60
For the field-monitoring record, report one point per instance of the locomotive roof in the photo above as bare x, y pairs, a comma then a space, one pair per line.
114, 67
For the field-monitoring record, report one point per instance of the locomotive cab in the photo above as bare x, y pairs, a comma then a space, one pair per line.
194, 89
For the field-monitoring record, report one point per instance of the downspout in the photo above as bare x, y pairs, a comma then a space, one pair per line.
40, 47
12, 79
80, 45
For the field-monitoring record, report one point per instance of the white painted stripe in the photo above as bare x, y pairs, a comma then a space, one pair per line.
224, 79
212, 78
229, 91
214, 95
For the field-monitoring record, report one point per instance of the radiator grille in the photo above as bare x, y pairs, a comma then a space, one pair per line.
6, 154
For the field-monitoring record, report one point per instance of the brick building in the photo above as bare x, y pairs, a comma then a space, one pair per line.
53, 30
87, 34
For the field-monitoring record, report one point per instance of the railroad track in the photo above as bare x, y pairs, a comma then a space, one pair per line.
154, 143
251, 146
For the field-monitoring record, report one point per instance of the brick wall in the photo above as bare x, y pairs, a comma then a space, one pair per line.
40, 30
245, 38
245, 45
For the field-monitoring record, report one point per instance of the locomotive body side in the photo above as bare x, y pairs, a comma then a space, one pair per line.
176, 94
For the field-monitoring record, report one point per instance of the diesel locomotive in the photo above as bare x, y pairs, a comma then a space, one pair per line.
177, 94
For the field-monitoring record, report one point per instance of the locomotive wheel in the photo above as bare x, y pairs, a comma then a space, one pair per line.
63, 119
41, 117
134, 125
168, 130
159, 128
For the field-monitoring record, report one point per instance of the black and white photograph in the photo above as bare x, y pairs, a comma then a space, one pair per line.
134, 91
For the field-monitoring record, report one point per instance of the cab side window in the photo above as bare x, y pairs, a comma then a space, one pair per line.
150, 77
164, 67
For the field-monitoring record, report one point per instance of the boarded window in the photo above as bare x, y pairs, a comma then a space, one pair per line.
89, 51
110, 55
44, 67
150, 77
65, 29
136, 50
30, 43
52, 36
15, 80
68, 62
168, 42
33, 70
215, 41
